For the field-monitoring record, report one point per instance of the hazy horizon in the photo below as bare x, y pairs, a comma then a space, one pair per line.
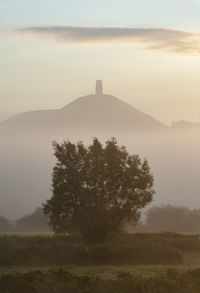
52, 52
148, 55
26, 153
6, 116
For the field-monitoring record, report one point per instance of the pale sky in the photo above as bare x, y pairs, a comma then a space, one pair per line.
146, 52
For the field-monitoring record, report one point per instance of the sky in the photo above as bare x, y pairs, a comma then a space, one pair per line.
146, 52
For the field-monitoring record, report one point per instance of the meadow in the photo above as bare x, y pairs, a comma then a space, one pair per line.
135, 249
140, 261
143, 253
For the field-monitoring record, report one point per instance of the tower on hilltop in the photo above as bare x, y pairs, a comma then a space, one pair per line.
99, 87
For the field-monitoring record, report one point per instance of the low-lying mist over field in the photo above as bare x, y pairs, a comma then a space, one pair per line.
26, 154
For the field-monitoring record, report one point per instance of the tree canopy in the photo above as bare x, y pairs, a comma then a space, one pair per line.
97, 189
173, 218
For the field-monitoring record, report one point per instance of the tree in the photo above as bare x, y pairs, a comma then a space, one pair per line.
97, 189
173, 219
4, 223
35, 221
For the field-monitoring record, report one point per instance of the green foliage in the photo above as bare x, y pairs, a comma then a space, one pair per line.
96, 189
126, 250
61, 281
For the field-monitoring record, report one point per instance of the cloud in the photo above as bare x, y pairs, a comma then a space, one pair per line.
168, 40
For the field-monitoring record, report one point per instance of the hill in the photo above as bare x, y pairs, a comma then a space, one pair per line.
98, 112
26, 155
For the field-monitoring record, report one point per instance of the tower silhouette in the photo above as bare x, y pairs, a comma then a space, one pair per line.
99, 87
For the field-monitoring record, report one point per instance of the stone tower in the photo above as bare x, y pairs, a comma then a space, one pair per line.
99, 88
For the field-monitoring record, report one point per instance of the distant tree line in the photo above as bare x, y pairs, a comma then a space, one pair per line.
168, 218
36, 221
4, 224
158, 219
173, 219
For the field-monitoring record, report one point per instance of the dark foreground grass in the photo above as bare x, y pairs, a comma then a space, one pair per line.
61, 281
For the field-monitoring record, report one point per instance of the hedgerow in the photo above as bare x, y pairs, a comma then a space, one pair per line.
49, 251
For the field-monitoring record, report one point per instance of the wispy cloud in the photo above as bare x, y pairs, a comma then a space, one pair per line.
168, 40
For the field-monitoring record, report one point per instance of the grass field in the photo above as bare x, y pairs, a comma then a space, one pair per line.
191, 259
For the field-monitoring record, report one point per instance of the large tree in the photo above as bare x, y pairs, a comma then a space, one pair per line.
97, 189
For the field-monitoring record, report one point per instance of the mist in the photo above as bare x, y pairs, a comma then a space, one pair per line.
27, 160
